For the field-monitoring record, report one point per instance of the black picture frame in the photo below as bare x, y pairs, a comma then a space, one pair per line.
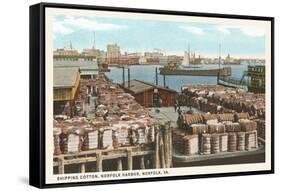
37, 92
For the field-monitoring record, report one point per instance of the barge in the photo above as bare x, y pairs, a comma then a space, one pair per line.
225, 71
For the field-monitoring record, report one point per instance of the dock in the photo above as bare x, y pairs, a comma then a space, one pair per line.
153, 156
114, 133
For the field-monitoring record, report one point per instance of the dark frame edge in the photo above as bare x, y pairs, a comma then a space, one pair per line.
36, 144
154, 11
272, 21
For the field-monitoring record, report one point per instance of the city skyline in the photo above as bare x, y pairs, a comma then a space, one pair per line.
169, 36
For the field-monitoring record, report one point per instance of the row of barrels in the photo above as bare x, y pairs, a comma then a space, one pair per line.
75, 141
207, 98
215, 143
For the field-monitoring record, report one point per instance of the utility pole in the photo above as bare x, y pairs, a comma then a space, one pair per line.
123, 75
156, 75
164, 79
129, 76
218, 74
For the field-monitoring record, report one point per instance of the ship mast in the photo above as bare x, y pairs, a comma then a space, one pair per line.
219, 57
186, 57
188, 54
94, 43
70, 45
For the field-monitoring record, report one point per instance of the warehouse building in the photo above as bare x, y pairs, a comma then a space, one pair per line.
65, 86
88, 69
150, 95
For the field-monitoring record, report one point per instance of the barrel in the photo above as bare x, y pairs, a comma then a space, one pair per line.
223, 142
216, 128
232, 127
191, 143
206, 144
241, 141
215, 143
91, 140
56, 136
251, 140
232, 142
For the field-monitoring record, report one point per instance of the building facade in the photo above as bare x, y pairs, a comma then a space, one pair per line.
151, 95
113, 51
65, 87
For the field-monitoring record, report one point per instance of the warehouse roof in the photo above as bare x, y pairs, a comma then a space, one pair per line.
83, 65
65, 77
137, 86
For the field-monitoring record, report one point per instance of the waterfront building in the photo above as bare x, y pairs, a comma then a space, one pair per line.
231, 61
113, 51
149, 95
163, 60
88, 69
257, 78
153, 54
65, 86
143, 60
175, 59
73, 57
113, 54
100, 55
65, 52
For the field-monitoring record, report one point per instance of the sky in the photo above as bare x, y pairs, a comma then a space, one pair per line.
137, 35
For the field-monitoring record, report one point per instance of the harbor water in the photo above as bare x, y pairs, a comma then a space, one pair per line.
147, 73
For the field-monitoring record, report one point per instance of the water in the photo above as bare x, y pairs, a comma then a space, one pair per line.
147, 73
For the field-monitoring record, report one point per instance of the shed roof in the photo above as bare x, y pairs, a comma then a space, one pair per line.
137, 86
65, 77
82, 64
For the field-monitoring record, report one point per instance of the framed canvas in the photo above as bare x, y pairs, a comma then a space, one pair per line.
122, 95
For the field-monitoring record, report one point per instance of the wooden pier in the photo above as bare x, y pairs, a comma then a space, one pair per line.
124, 158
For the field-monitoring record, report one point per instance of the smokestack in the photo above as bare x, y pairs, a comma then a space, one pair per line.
129, 77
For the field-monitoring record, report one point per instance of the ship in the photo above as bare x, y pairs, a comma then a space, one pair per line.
225, 71
186, 60
188, 69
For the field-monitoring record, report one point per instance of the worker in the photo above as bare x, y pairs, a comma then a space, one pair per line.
175, 106
179, 111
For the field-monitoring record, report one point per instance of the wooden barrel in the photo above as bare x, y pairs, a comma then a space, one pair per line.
56, 135
198, 128
206, 144
216, 128
191, 144
232, 142
106, 135
223, 142
241, 141
71, 139
178, 140
232, 127
215, 143
251, 140
248, 125
91, 140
